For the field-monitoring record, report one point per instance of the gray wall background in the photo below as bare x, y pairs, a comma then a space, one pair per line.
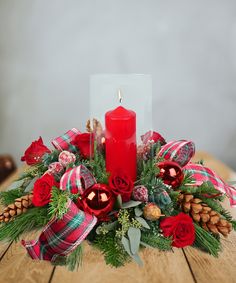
49, 48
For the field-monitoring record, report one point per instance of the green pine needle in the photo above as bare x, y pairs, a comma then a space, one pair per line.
8, 197
158, 241
58, 204
112, 249
98, 166
206, 242
205, 188
34, 218
75, 258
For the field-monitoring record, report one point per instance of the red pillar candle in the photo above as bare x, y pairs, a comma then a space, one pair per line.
121, 141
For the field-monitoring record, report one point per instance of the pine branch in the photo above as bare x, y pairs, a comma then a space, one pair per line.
205, 188
150, 171
58, 204
156, 241
34, 218
206, 242
233, 222
74, 259
112, 249
8, 197
98, 166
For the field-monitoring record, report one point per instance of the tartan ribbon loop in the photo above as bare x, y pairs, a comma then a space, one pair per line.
61, 236
180, 151
64, 142
202, 174
76, 180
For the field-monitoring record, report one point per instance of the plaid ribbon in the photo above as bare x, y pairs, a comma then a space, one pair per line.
76, 180
179, 151
64, 142
203, 174
61, 236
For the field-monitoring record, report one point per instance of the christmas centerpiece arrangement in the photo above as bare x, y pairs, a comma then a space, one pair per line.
101, 187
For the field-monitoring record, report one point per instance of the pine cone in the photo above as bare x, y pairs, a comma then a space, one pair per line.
18, 207
208, 219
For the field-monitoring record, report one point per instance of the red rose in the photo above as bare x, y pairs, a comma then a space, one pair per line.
121, 184
34, 152
42, 190
97, 200
85, 143
152, 136
181, 228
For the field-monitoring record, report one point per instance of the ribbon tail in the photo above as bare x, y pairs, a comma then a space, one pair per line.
61, 236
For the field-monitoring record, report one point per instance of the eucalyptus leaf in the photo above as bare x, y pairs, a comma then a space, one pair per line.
30, 186
126, 245
134, 235
16, 185
137, 259
143, 222
125, 242
110, 226
131, 203
138, 211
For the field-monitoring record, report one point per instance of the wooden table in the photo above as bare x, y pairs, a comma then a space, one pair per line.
183, 265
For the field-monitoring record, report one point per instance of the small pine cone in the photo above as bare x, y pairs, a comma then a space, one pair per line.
209, 219
18, 207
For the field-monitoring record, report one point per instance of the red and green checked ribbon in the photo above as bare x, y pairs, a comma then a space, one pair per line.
77, 180
61, 236
202, 174
64, 142
179, 151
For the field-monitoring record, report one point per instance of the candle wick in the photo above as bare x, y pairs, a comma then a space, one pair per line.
120, 96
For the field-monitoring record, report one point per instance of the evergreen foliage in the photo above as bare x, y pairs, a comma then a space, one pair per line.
8, 197
75, 258
112, 249
206, 242
58, 204
34, 218
156, 241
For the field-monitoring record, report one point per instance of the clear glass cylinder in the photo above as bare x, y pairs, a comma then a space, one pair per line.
136, 92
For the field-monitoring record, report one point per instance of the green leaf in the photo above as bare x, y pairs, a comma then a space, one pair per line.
143, 222
138, 212
119, 201
126, 245
125, 242
134, 235
137, 259
16, 185
30, 186
131, 203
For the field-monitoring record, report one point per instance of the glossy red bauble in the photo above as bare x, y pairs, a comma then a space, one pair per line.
98, 200
170, 173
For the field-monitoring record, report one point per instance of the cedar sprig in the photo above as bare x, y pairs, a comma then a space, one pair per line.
34, 218
58, 204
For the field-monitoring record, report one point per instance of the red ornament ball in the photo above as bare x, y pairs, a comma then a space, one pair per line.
98, 200
170, 173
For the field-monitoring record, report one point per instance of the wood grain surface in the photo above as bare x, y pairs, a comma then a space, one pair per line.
186, 265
